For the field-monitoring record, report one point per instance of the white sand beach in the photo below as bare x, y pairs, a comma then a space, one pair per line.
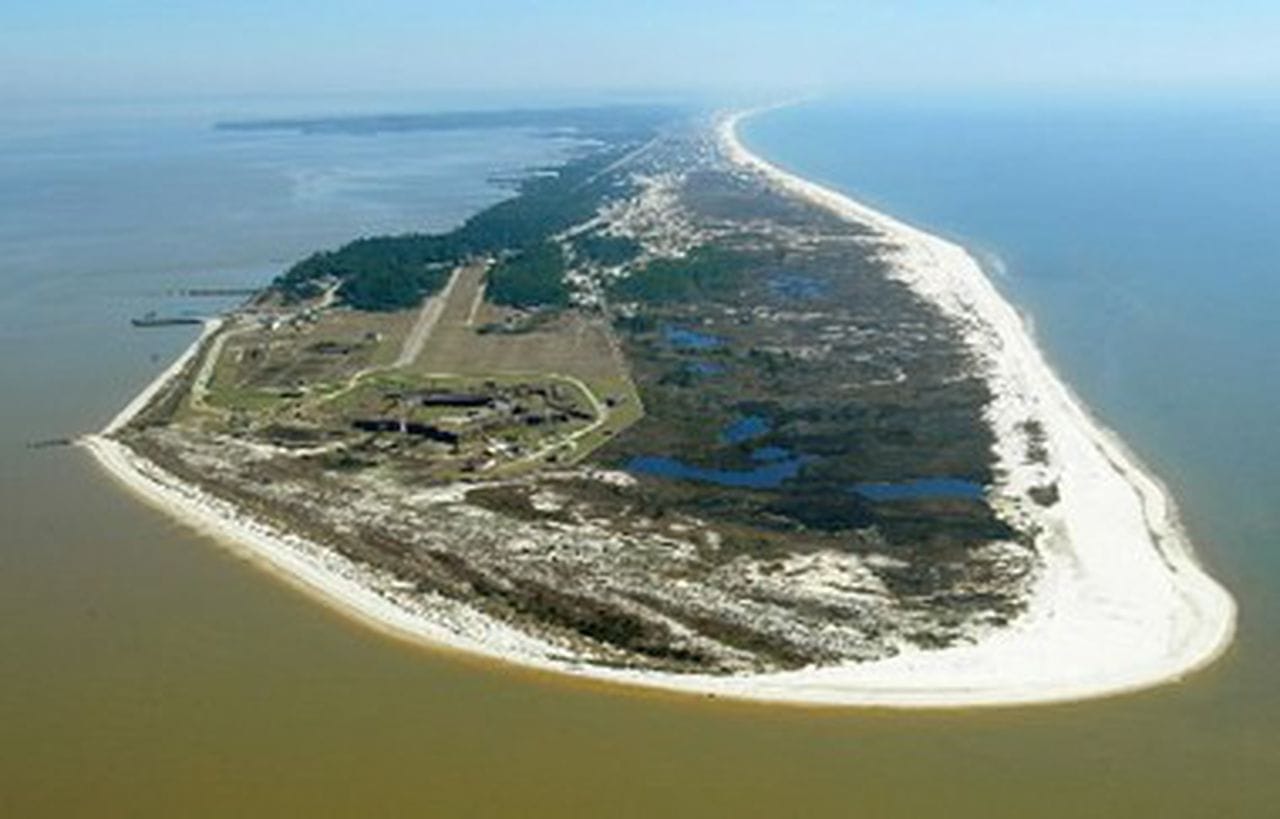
1121, 603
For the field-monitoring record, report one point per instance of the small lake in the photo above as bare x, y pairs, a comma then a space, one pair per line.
776, 464
921, 489
768, 475
686, 339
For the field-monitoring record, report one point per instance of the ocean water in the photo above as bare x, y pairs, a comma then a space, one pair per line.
1142, 242
146, 671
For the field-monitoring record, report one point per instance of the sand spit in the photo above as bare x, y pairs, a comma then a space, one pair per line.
1121, 603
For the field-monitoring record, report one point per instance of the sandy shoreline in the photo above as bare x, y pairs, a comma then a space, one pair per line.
140, 401
1121, 604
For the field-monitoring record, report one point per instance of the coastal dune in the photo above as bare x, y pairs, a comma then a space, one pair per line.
1120, 602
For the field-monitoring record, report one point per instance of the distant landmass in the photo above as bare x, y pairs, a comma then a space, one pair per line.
603, 122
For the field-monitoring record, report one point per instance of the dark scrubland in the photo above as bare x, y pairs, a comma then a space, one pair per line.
779, 339
605, 251
852, 372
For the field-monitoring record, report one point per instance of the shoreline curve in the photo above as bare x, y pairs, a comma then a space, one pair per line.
1122, 603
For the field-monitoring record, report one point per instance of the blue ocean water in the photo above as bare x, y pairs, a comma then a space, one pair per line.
1142, 241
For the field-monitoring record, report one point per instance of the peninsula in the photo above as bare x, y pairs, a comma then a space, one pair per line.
671, 416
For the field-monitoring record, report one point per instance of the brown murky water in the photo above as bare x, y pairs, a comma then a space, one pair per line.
146, 672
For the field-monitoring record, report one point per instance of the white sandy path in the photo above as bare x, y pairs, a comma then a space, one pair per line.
149, 392
1121, 604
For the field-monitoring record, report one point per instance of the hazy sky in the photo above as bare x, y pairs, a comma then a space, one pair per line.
85, 48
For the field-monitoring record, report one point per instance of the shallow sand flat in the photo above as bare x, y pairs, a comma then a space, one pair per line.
1121, 603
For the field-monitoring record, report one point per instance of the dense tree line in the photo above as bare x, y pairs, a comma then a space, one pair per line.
395, 272
532, 278
703, 274
606, 251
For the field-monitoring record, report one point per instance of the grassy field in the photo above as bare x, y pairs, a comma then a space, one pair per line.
569, 346
259, 367
324, 370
